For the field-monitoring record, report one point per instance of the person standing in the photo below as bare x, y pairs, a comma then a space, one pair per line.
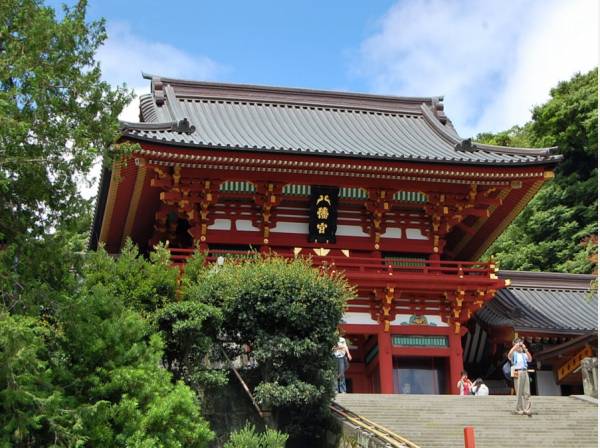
520, 357
343, 358
464, 384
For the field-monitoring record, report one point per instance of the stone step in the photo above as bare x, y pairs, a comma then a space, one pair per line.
438, 420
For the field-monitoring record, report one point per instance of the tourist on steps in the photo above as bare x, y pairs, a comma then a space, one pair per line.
520, 356
479, 388
343, 358
464, 384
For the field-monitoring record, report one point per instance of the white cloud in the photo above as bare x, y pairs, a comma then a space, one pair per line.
562, 40
492, 60
125, 55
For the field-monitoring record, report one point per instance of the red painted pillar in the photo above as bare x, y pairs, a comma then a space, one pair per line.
456, 360
384, 341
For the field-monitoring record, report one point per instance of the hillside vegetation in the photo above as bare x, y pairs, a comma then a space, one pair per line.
557, 230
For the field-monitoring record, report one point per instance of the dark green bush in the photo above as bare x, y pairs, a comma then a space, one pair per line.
287, 313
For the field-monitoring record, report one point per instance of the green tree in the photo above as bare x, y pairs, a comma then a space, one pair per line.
191, 331
145, 285
287, 314
552, 233
56, 115
56, 118
91, 372
80, 361
123, 394
33, 410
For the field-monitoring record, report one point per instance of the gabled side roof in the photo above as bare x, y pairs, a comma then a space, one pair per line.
544, 302
284, 120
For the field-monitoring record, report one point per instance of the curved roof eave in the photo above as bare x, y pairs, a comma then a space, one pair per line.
550, 162
467, 145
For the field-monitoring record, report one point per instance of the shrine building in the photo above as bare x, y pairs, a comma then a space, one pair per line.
380, 187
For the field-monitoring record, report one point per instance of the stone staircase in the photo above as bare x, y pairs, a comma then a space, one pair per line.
437, 421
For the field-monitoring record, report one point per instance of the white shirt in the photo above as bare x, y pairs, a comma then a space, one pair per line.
340, 349
520, 360
482, 390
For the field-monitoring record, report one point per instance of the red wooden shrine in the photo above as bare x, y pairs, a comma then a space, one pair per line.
231, 168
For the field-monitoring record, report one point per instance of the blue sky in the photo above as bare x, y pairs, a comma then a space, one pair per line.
292, 43
492, 60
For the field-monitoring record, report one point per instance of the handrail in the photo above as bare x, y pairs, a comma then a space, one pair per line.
367, 264
376, 429
395, 440
244, 385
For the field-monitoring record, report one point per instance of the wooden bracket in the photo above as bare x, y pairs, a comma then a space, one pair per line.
382, 306
267, 196
377, 206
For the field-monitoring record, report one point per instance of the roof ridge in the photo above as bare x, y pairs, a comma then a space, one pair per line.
148, 112
552, 288
467, 145
188, 88
438, 127
516, 151
333, 124
416, 99
326, 107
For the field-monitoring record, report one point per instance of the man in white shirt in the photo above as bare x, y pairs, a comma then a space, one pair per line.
520, 356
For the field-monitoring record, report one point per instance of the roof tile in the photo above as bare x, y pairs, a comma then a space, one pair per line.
313, 122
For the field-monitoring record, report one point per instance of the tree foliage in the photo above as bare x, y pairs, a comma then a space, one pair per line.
286, 313
191, 331
91, 374
145, 285
247, 437
552, 233
56, 115
80, 359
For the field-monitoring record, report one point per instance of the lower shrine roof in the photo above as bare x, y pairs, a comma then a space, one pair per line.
544, 302
282, 120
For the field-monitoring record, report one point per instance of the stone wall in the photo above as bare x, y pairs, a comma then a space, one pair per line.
227, 409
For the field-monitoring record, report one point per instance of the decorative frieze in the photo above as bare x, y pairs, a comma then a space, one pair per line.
236, 160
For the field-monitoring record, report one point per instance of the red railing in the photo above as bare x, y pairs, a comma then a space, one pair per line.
364, 265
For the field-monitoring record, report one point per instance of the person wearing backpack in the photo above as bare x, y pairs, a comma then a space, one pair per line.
520, 357
507, 374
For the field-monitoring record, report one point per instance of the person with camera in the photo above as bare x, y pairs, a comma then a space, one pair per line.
520, 357
464, 384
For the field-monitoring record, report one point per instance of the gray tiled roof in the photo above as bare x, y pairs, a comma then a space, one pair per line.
263, 119
545, 309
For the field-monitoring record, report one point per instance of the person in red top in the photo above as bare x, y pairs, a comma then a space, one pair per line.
464, 384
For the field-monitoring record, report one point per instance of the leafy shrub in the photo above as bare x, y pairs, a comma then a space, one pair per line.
247, 437
287, 313
142, 285
190, 330
92, 375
